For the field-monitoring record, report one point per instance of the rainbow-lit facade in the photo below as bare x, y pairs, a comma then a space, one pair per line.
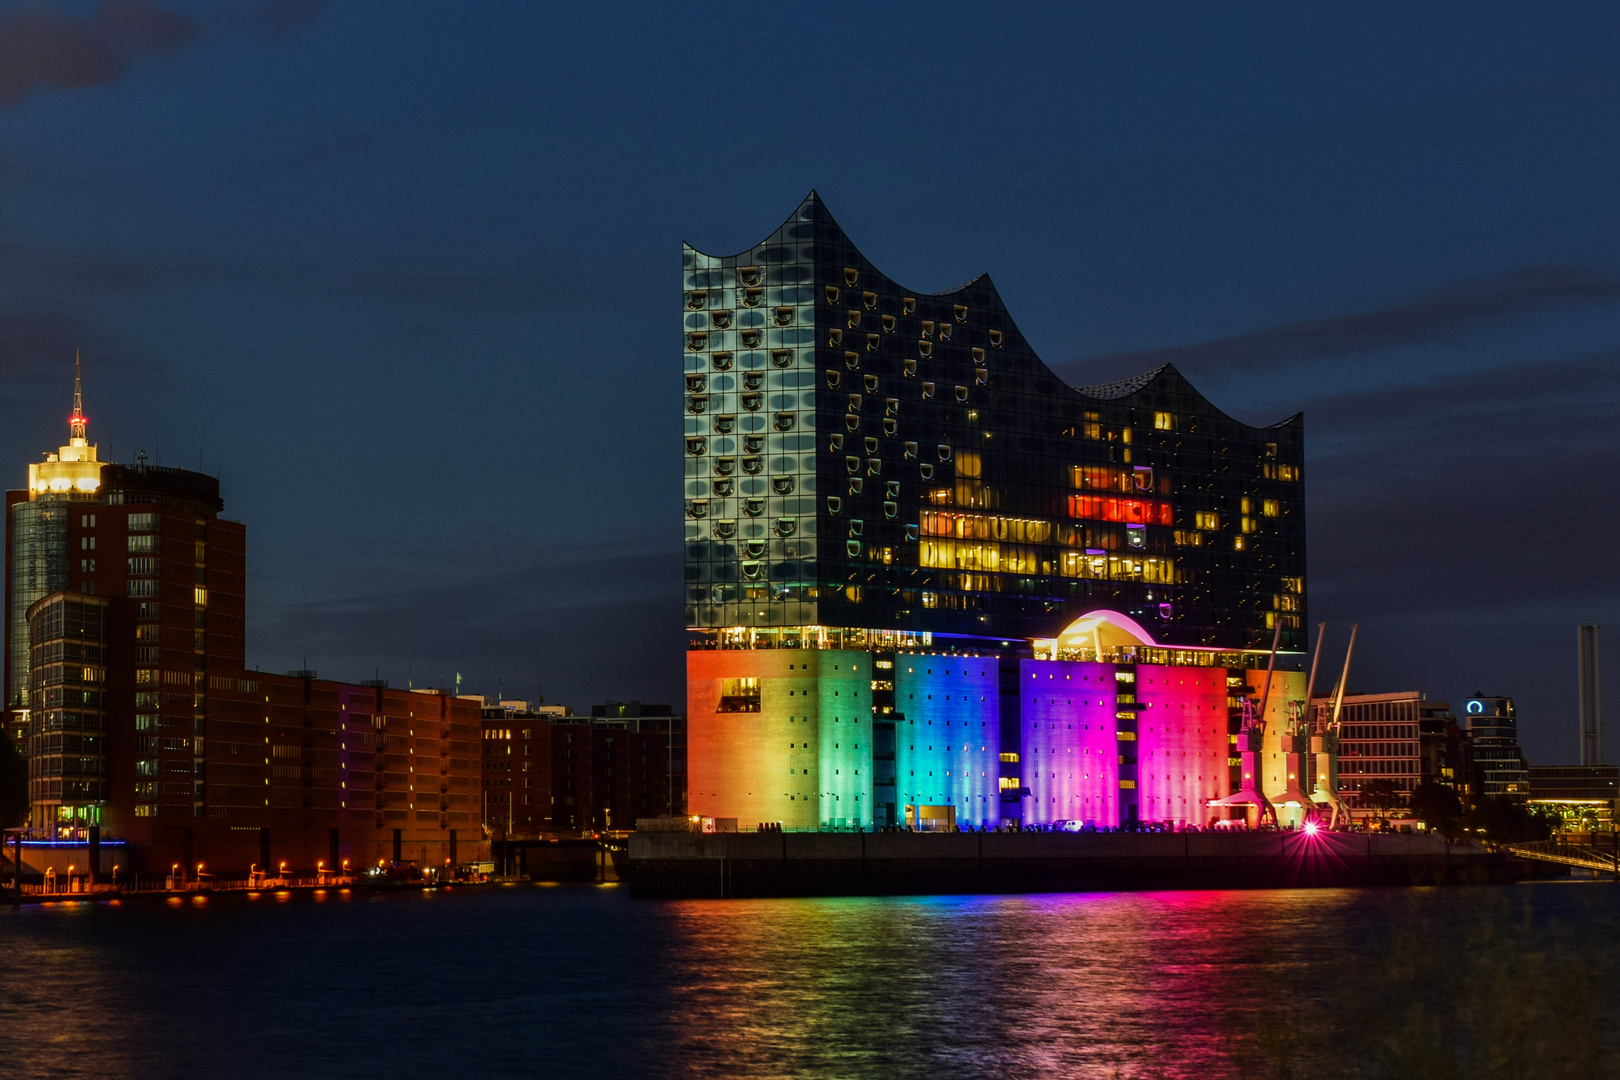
922, 572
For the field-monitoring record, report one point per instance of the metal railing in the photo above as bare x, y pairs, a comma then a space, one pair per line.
1567, 853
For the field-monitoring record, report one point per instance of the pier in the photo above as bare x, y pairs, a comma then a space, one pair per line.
679, 864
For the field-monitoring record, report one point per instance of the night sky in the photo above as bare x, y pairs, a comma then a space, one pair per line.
405, 276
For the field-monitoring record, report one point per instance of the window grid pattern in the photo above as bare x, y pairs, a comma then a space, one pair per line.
916, 413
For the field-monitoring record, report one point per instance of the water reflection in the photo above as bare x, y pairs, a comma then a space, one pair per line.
1093, 985
581, 981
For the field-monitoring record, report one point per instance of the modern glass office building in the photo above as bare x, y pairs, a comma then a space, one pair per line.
882, 484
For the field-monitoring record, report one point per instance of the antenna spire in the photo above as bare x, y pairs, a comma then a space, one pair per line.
76, 422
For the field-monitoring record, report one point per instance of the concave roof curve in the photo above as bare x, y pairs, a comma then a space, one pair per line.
823, 229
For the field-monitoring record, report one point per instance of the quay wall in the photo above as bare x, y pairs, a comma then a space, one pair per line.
682, 864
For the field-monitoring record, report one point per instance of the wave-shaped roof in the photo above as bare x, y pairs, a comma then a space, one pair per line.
812, 220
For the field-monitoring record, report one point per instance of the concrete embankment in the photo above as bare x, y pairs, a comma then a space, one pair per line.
679, 864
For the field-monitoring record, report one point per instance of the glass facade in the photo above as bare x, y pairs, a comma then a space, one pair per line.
863, 455
39, 566
926, 580
67, 728
1499, 764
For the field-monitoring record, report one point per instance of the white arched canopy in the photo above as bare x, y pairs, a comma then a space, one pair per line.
1100, 631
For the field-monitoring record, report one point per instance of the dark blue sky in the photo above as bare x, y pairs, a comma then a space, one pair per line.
405, 275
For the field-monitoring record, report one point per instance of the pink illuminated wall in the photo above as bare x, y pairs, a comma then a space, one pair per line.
1070, 756
1182, 744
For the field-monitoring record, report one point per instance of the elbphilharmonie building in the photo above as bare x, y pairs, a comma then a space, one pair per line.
927, 580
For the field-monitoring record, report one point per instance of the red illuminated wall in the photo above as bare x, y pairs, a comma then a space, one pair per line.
1182, 742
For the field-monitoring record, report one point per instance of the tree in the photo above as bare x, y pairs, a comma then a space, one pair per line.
1505, 821
13, 784
1382, 795
1438, 807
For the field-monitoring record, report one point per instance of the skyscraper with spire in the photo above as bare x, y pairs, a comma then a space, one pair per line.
127, 690
158, 576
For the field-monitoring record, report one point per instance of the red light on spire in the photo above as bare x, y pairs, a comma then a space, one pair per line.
77, 421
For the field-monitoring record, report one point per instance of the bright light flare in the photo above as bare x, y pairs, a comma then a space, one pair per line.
1311, 828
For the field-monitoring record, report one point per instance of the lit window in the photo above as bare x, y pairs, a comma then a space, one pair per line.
1164, 421
1270, 508
1203, 519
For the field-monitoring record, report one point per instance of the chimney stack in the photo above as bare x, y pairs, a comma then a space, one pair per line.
1589, 643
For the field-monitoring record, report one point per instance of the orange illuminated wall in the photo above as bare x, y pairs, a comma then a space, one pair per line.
1182, 742
781, 736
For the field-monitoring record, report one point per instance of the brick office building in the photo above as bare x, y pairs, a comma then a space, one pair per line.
570, 774
125, 670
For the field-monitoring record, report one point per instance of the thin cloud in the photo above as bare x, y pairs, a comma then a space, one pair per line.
45, 47
1446, 314
1473, 492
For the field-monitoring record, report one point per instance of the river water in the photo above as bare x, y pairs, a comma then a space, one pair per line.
1512, 981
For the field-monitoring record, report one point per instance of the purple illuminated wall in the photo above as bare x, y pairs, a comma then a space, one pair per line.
1070, 756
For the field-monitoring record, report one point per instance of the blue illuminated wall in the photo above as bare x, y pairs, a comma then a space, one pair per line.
948, 735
